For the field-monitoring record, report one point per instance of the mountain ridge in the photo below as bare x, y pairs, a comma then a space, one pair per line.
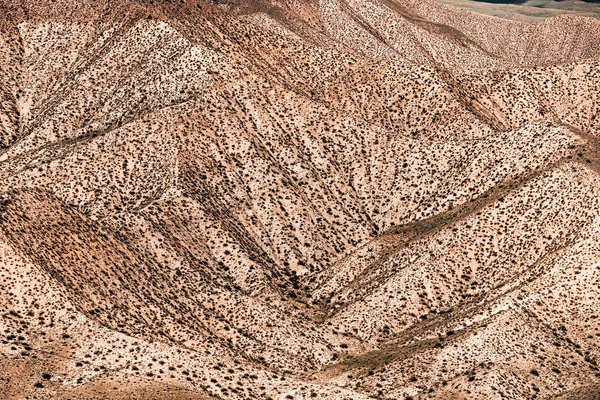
296, 199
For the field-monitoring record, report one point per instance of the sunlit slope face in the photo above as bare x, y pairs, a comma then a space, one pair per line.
330, 199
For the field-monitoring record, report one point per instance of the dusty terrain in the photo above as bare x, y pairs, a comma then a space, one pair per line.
529, 10
336, 199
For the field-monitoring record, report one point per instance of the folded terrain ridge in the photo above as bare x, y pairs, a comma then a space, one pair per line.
294, 199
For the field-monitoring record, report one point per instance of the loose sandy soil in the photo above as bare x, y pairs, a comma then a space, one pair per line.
337, 199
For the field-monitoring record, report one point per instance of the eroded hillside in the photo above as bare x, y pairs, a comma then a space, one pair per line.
297, 199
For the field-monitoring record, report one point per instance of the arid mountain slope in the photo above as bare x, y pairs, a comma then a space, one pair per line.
296, 199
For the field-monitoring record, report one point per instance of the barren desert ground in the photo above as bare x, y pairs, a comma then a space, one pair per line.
298, 199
